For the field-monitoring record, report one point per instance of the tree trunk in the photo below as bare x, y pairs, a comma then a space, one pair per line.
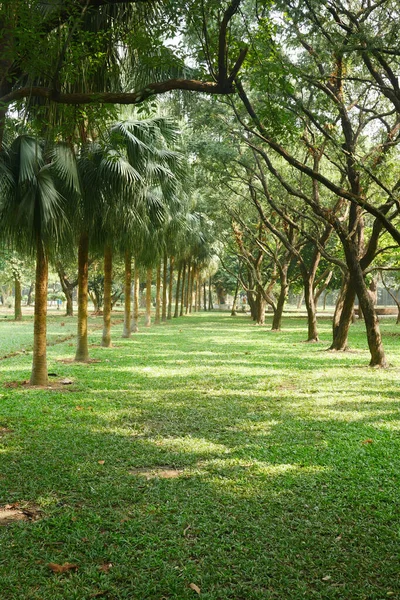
183, 288
378, 358
198, 288
136, 291
82, 350
277, 320
188, 285
196, 291
39, 364
69, 310
311, 310
171, 279
29, 298
204, 296
126, 333
178, 291
260, 305
17, 300
67, 288
342, 317
164, 289
157, 318
191, 281
210, 300
147, 322
300, 300
106, 339
234, 303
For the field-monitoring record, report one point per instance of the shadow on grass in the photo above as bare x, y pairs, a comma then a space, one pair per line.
289, 483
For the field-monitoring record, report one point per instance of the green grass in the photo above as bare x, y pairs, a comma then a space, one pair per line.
17, 336
279, 498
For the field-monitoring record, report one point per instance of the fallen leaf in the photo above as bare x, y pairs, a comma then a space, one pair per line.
78, 407
106, 567
195, 587
339, 537
66, 381
62, 568
367, 441
101, 462
327, 578
11, 506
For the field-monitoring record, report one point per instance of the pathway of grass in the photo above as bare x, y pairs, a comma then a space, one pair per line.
284, 460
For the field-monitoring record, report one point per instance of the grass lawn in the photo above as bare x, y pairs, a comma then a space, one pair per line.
206, 452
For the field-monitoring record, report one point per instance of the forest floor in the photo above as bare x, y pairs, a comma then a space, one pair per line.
204, 457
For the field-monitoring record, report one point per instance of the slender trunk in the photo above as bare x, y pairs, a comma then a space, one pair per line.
204, 296
234, 303
210, 300
277, 320
260, 305
311, 310
164, 289
17, 300
29, 298
300, 300
324, 302
82, 350
171, 279
196, 291
188, 285
147, 322
106, 339
126, 333
191, 286
178, 291
39, 364
67, 289
157, 318
183, 288
136, 290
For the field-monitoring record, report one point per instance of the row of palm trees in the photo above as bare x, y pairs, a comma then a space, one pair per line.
124, 192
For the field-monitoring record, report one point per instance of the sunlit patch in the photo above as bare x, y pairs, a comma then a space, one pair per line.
192, 445
163, 472
387, 425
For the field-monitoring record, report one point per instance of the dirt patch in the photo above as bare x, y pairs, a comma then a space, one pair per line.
286, 386
70, 361
10, 513
157, 472
62, 384
4, 431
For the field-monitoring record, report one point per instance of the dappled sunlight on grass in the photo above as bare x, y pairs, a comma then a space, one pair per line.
285, 457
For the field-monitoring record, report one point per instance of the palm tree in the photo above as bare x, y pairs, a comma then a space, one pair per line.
33, 220
125, 178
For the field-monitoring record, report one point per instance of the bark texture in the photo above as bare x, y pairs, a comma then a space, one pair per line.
82, 350
106, 338
135, 312
147, 322
17, 300
126, 333
39, 374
